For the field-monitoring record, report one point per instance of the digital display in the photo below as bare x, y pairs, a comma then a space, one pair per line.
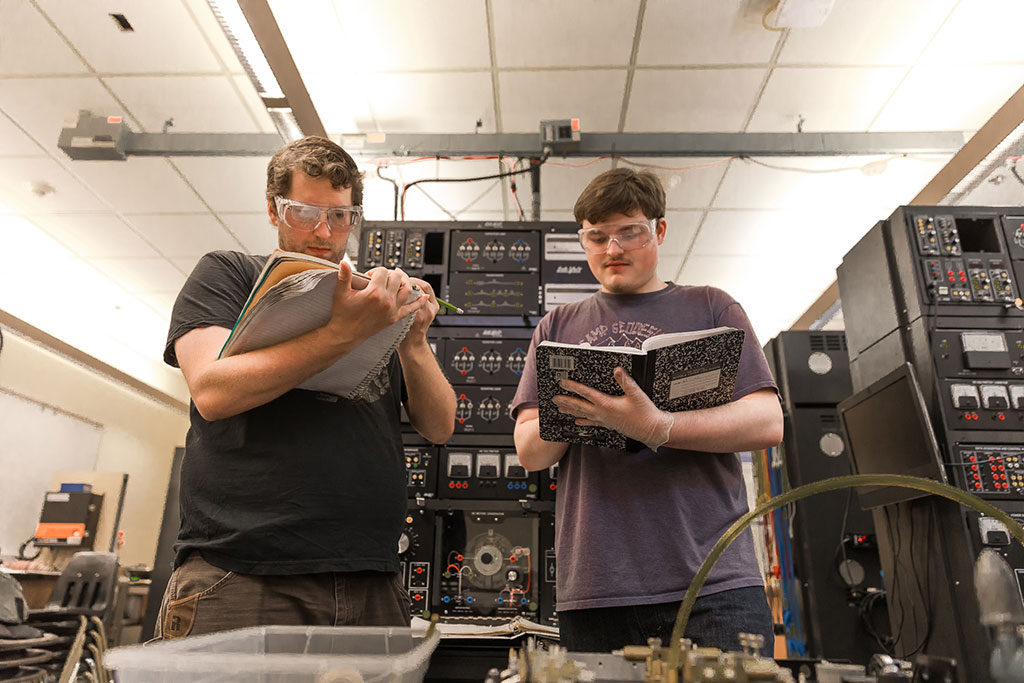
983, 341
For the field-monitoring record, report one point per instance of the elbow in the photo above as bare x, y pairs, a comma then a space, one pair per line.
439, 434
211, 407
773, 432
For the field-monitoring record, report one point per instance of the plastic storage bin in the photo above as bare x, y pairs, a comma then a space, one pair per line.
280, 654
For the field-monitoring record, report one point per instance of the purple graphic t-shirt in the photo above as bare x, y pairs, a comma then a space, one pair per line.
633, 528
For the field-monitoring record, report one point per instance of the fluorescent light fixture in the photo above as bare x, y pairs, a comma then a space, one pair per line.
284, 121
72, 301
232, 21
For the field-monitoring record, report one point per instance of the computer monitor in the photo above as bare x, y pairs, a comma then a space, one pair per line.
889, 432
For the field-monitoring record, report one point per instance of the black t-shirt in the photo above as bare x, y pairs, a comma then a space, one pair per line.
306, 483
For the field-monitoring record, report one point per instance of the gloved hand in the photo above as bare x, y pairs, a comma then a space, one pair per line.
633, 415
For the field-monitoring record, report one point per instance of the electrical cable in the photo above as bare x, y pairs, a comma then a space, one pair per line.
764, 17
832, 484
21, 550
1013, 170
515, 195
395, 184
460, 180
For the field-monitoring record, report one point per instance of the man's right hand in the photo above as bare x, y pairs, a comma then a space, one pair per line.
361, 312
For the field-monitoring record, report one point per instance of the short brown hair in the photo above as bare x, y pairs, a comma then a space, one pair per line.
621, 190
315, 156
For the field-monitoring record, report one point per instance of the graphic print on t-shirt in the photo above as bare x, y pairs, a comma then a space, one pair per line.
620, 333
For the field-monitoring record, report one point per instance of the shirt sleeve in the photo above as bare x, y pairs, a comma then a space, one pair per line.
753, 373
213, 295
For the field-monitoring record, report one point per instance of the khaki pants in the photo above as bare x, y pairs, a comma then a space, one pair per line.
201, 598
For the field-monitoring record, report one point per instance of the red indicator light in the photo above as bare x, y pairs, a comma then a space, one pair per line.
575, 124
113, 119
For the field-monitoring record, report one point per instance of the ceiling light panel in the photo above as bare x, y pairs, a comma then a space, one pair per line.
677, 32
194, 104
236, 184
43, 106
949, 97
210, 28
165, 39
823, 99
979, 33
31, 46
882, 32
341, 109
531, 33
96, 235
139, 185
184, 235
529, 97
674, 100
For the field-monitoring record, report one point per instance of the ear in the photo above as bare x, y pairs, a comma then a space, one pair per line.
272, 212
659, 231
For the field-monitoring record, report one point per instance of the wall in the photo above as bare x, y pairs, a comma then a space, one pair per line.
139, 433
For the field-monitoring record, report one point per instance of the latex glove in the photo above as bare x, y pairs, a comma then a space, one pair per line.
633, 414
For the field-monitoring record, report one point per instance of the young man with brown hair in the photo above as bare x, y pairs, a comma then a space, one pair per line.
633, 528
292, 501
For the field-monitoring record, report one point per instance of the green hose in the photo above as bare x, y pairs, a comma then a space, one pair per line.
801, 492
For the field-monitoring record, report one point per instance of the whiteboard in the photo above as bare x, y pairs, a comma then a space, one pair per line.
35, 441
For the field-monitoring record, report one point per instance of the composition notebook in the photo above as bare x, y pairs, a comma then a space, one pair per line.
293, 295
678, 371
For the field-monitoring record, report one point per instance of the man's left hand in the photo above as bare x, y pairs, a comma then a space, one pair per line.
424, 316
633, 414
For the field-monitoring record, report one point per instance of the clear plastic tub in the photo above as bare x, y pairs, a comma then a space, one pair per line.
280, 654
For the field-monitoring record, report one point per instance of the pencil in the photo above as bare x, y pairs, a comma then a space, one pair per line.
454, 309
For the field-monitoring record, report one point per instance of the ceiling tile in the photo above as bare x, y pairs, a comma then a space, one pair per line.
211, 30
827, 99
682, 226
957, 97
70, 195
139, 185
184, 235
161, 302
43, 106
429, 102
692, 100
868, 32
142, 275
164, 39
29, 44
668, 267
838, 181
529, 97
15, 143
565, 33
698, 32
562, 181
979, 33
102, 235
341, 110
236, 184
422, 200
196, 104
253, 229
253, 103
313, 30
689, 182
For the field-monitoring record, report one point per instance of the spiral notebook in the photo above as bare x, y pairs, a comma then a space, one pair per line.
293, 295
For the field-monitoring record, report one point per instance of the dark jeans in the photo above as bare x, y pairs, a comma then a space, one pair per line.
201, 598
715, 621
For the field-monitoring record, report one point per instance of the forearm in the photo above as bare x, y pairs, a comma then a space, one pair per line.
751, 423
232, 385
430, 398
534, 452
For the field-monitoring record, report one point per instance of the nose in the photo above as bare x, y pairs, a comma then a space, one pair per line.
322, 223
618, 247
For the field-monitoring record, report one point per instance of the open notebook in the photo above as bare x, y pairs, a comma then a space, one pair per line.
293, 295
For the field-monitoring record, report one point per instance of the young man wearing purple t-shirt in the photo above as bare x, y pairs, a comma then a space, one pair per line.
633, 528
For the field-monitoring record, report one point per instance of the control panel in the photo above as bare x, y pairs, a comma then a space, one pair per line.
566, 276
494, 251
483, 409
991, 469
421, 471
487, 567
484, 361
548, 597
495, 293
549, 482
485, 473
416, 554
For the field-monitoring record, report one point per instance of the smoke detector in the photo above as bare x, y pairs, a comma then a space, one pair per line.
802, 13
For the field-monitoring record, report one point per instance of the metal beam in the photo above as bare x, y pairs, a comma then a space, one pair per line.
275, 49
93, 134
